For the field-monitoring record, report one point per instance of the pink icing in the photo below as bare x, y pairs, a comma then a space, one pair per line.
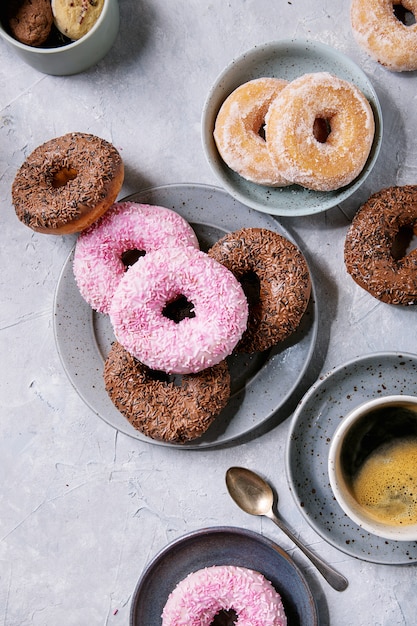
195, 343
98, 266
202, 594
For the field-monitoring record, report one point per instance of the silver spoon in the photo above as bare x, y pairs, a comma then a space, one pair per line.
254, 496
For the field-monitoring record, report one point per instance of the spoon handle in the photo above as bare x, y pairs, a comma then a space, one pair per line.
334, 578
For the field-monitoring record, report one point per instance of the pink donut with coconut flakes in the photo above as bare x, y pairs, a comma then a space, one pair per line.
102, 250
215, 302
201, 595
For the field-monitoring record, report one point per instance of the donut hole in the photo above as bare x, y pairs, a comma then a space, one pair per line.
251, 286
62, 176
321, 129
129, 257
178, 309
225, 618
261, 131
404, 15
164, 377
404, 241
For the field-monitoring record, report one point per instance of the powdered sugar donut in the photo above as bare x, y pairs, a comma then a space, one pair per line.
138, 311
378, 28
202, 594
320, 165
127, 227
237, 131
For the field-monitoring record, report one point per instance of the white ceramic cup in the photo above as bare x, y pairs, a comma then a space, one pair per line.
382, 421
76, 56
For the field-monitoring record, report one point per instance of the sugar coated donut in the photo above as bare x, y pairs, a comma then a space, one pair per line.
127, 229
218, 317
275, 276
299, 155
67, 183
381, 28
238, 131
375, 256
164, 409
199, 597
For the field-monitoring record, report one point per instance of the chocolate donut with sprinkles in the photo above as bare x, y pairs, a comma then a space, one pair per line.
162, 408
376, 245
67, 183
275, 278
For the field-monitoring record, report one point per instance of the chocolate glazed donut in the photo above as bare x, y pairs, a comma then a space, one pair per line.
276, 279
376, 245
67, 183
158, 407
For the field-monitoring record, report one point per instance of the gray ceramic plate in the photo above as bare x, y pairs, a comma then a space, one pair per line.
312, 427
285, 59
261, 383
221, 546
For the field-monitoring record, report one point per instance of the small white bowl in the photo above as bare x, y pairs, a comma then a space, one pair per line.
76, 56
362, 430
285, 59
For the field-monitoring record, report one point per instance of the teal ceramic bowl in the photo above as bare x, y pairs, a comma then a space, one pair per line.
76, 56
286, 59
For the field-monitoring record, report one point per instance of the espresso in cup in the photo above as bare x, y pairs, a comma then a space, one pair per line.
373, 466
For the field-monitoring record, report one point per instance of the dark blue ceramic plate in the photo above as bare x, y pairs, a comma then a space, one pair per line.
221, 546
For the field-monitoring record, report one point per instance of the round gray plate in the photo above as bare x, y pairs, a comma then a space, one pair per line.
221, 546
261, 383
312, 427
285, 59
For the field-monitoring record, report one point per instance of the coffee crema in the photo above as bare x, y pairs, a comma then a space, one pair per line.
386, 484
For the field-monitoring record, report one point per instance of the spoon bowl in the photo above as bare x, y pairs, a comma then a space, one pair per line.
250, 492
255, 496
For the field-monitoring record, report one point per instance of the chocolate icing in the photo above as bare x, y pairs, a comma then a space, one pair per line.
370, 242
157, 406
46, 206
284, 283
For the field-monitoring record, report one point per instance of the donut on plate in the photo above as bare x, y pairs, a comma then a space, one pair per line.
292, 141
139, 311
127, 230
238, 131
380, 27
161, 408
67, 183
199, 597
375, 255
276, 278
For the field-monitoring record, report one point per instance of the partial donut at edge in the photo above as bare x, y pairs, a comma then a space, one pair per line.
369, 241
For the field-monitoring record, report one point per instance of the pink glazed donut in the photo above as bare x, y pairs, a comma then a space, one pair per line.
218, 311
201, 595
127, 227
